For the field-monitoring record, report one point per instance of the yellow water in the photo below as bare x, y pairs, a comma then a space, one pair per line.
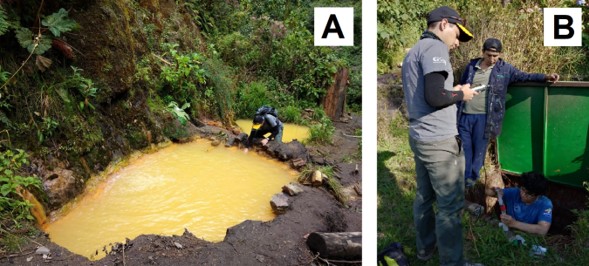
196, 186
290, 132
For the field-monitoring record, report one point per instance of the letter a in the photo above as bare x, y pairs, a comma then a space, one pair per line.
328, 29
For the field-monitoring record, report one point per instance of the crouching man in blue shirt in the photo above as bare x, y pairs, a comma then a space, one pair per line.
527, 208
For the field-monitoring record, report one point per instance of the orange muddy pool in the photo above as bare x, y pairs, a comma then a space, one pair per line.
196, 186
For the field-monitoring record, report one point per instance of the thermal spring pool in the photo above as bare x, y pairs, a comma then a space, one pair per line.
196, 186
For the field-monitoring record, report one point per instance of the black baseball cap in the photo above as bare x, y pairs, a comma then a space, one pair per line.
493, 45
453, 17
258, 120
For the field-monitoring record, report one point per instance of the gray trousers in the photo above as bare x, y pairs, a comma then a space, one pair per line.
440, 178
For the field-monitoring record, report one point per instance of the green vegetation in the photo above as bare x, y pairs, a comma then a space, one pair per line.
12, 205
400, 24
322, 131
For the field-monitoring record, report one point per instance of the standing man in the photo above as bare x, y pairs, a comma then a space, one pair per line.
481, 119
439, 163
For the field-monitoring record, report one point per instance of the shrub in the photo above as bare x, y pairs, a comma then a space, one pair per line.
291, 114
322, 132
10, 182
250, 97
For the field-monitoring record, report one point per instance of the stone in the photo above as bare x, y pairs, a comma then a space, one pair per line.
298, 162
42, 250
317, 178
216, 142
60, 185
279, 203
292, 189
287, 151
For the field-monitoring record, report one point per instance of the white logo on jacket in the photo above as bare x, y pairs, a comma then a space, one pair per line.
439, 60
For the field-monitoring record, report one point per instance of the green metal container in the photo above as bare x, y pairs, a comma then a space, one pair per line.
546, 129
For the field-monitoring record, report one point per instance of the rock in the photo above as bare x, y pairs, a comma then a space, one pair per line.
287, 151
474, 209
298, 163
230, 141
292, 189
42, 250
317, 178
279, 203
60, 185
178, 245
215, 142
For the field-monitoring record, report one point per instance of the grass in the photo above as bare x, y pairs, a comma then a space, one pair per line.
483, 240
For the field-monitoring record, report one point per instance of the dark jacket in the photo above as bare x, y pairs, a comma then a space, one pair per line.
271, 125
502, 75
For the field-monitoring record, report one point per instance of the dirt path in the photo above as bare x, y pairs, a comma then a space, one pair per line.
277, 242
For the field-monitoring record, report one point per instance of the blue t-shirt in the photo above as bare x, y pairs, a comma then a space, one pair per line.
539, 210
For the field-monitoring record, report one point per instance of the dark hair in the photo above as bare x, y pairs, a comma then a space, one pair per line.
535, 183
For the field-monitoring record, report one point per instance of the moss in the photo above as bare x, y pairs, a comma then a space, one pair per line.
137, 139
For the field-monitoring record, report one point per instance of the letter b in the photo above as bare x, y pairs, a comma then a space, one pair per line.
567, 26
562, 26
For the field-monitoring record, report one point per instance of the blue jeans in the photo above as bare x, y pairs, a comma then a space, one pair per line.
471, 129
439, 167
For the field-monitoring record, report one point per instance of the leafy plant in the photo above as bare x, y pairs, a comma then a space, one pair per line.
4, 75
179, 113
84, 86
47, 128
322, 132
182, 75
59, 22
39, 43
4, 25
10, 182
291, 114
250, 97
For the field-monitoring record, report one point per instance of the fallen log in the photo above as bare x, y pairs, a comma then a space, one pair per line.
342, 245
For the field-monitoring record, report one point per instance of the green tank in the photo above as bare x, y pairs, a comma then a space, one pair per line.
546, 129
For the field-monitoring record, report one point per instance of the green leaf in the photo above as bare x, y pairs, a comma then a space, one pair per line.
5, 189
59, 22
44, 45
8, 172
63, 94
25, 37
4, 25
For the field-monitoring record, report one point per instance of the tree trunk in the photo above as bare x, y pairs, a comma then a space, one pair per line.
335, 99
343, 245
